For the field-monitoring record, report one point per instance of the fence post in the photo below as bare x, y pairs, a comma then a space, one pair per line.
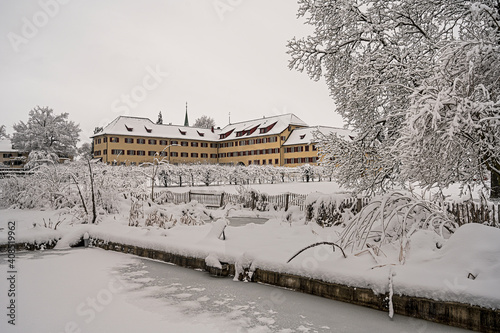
287, 197
359, 205
221, 200
189, 195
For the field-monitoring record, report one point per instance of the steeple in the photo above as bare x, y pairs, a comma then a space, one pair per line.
186, 120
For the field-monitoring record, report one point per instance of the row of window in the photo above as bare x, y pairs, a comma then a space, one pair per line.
270, 139
193, 144
152, 153
10, 155
250, 152
301, 160
299, 149
269, 161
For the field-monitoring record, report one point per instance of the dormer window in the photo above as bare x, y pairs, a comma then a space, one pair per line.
182, 132
200, 134
250, 131
267, 128
130, 129
149, 130
302, 137
225, 135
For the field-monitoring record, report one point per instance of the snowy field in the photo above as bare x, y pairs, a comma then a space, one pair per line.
463, 268
92, 290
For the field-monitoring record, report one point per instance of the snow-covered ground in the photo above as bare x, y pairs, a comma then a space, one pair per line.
464, 268
92, 290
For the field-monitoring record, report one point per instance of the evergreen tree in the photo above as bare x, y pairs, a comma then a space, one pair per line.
160, 119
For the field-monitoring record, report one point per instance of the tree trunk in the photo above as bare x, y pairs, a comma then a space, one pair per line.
495, 185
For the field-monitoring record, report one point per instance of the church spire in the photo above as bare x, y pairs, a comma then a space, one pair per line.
186, 120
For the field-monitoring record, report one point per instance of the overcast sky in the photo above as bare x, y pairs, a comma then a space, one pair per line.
97, 60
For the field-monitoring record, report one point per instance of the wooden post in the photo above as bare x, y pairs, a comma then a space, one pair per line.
189, 195
287, 199
221, 200
359, 205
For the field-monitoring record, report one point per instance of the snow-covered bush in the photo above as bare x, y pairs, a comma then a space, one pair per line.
328, 210
392, 219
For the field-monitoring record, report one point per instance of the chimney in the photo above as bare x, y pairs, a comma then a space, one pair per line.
212, 129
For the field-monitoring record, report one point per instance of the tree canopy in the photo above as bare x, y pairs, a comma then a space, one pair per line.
204, 122
46, 132
416, 79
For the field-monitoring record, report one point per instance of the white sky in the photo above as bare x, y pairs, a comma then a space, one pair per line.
86, 55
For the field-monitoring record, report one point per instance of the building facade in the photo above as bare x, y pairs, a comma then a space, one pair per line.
283, 140
11, 158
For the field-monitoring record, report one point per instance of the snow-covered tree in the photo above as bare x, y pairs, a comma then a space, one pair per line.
452, 131
47, 132
85, 150
378, 58
160, 119
3, 132
204, 122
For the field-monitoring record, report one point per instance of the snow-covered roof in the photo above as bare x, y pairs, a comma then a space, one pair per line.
259, 127
6, 146
306, 135
144, 127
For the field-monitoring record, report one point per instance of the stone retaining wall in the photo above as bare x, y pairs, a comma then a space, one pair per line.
448, 313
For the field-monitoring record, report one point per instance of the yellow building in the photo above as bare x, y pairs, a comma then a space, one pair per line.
133, 140
9, 157
300, 148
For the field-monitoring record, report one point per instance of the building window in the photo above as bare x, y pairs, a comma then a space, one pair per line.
174, 154
174, 143
130, 152
151, 153
105, 139
314, 148
213, 145
213, 155
129, 140
141, 141
263, 162
105, 152
141, 153
98, 141
204, 145
288, 149
96, 153
270, 161
163, 153
163, 142
114, 139
184, 143
117, 152
203, 155
194, 155
307, 148
152, 141
276, 161
184, 155
194, 144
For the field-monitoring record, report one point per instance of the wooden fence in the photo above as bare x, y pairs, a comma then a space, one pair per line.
466, 212
473, 212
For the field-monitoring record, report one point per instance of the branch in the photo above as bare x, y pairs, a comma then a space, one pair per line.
316, 244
